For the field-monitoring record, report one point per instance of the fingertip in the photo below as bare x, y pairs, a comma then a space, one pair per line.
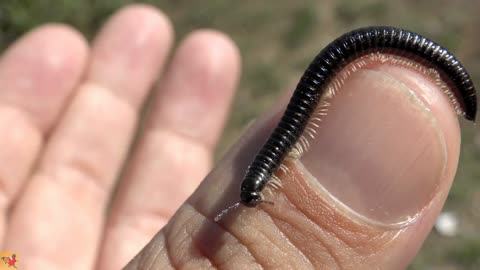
142, 18
56, 46
46, 63
130, 51
149, 12
200, 81
64, 33
218, 44
214, 55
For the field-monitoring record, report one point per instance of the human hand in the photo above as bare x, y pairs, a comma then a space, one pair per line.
72, 112
68, 117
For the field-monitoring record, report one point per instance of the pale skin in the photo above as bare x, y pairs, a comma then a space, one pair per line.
68, 114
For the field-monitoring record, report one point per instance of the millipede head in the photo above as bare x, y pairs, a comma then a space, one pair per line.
251, 198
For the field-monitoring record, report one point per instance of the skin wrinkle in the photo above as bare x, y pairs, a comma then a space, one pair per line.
283, 236
154, 245
198, 248
80, 179
176, 264
315, 198
86, 170
186, 240
161, 131
183, 135
284, 252
190, 140
135, 221
322, 242
195, 251
229, 232
168, 252
330, 248
330, 223
250, 246
155, 257
273, 218
371, 236
278, 217
315, 258
296, 248
116, 96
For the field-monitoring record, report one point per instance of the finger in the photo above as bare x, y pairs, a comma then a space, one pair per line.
364, 196
37, 75
68, 194
176, 149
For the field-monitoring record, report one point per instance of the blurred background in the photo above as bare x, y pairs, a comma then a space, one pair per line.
277, 40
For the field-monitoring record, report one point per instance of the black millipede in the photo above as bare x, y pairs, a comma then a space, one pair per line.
322, 71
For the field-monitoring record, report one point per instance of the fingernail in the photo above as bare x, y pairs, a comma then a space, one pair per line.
379, 150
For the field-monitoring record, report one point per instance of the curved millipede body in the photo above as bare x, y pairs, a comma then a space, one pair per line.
326, 65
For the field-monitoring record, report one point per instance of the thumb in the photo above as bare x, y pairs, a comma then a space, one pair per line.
363, 196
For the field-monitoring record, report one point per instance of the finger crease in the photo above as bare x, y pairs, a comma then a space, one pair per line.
77, 173
186, 139
169, 254
154, 253
299, 248
199, 249
285, 236
135, 221
115, 94
329, 249
225, 230
329, 232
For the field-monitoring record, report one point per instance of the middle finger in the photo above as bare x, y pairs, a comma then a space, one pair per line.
176, 148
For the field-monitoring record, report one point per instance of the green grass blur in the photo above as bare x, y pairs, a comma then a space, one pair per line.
277, 39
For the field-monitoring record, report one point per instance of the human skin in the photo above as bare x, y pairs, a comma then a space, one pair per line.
364, 196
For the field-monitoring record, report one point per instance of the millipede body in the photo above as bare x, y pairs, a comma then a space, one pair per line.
323, 69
